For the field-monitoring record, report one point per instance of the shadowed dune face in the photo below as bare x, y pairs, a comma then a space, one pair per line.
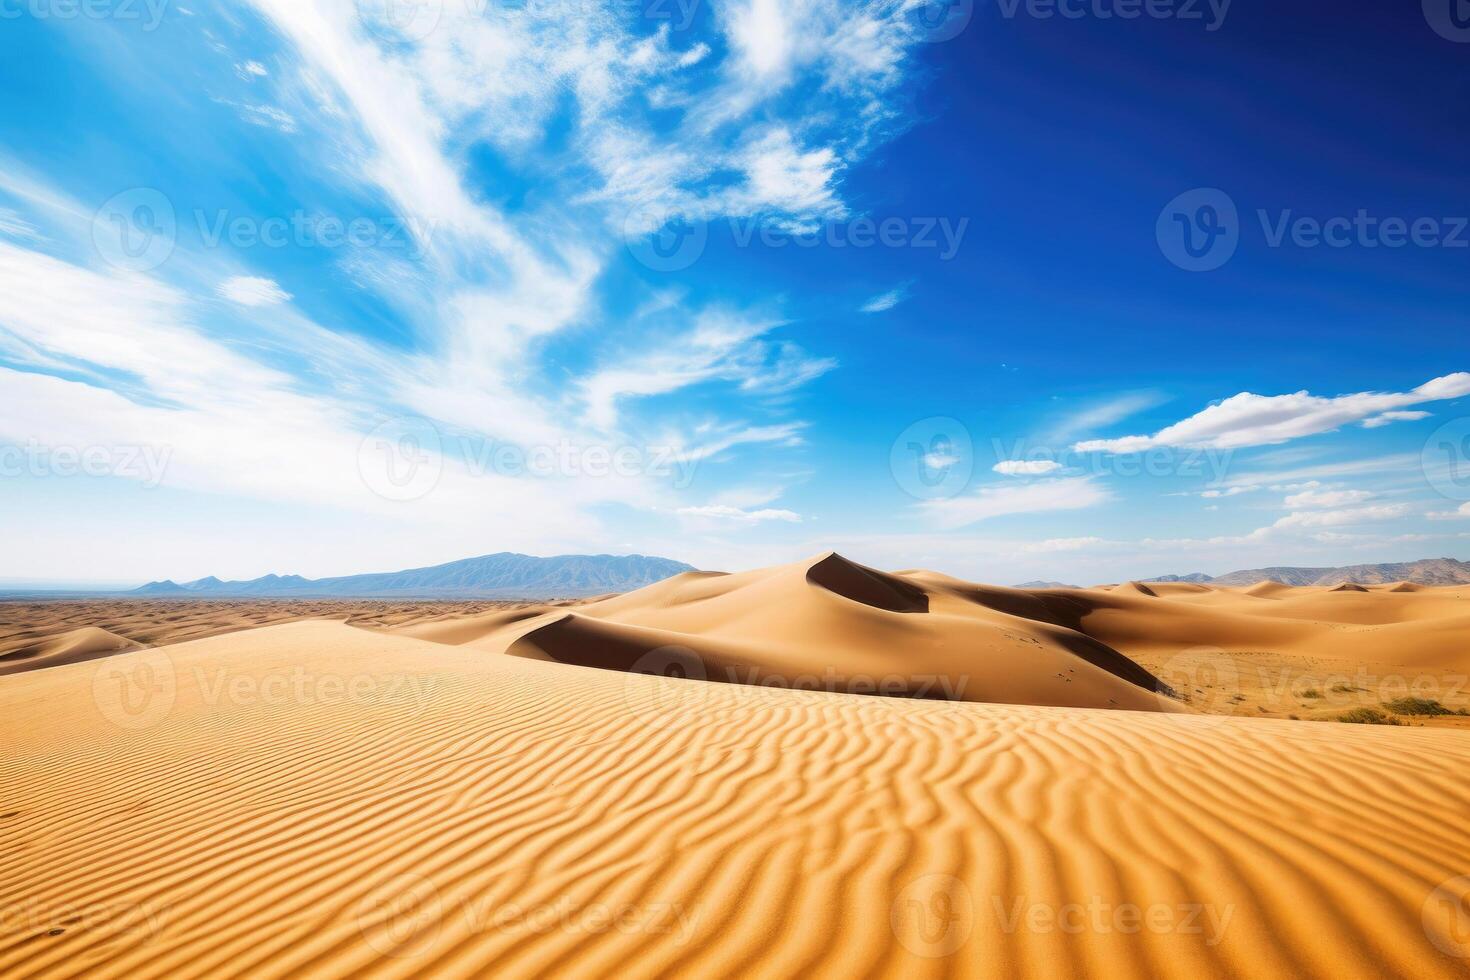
831, 624
421, 810
85, 643
872, 588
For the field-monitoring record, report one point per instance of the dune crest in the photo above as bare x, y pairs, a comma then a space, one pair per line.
828, 623
86, 643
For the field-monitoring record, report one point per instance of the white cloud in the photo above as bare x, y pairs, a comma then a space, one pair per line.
251, 69
1345, 517
885, 301
1387, 418
1073, 493
781, 175
1055, 545
1312, 499
253, 291
725, 512
1227, 492
1102, 414
1459, 513
1031, 467
1258, 420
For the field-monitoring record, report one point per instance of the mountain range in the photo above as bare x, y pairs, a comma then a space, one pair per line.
500, 576
1427, 571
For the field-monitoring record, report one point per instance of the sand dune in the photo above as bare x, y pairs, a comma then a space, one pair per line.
830, 624
28, 624
86, 643
316, 799
832, 621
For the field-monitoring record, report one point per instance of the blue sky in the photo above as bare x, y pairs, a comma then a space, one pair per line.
345, 286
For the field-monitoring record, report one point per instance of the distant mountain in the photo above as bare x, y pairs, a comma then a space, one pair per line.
502, 576
1047, 585
1429, 571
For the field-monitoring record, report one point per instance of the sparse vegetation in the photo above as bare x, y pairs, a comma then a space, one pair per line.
1422, 707
1311, 692
1346, 688
1367, 716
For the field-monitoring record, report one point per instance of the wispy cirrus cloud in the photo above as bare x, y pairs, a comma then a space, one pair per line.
884, 302
986, 503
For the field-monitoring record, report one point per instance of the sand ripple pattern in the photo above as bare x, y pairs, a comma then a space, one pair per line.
456, 813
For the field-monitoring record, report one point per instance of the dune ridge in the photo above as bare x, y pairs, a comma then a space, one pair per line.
466, 814
831, 624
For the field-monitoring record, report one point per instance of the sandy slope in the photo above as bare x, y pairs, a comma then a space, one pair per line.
71, 646
313, 798
832, 625
34, 631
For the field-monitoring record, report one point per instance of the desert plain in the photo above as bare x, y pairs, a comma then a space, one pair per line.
817, 769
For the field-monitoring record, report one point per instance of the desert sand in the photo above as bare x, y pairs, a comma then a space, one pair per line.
831, 624
316, 797
37, 633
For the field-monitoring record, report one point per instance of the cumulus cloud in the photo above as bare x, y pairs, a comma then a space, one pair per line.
1247, 419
